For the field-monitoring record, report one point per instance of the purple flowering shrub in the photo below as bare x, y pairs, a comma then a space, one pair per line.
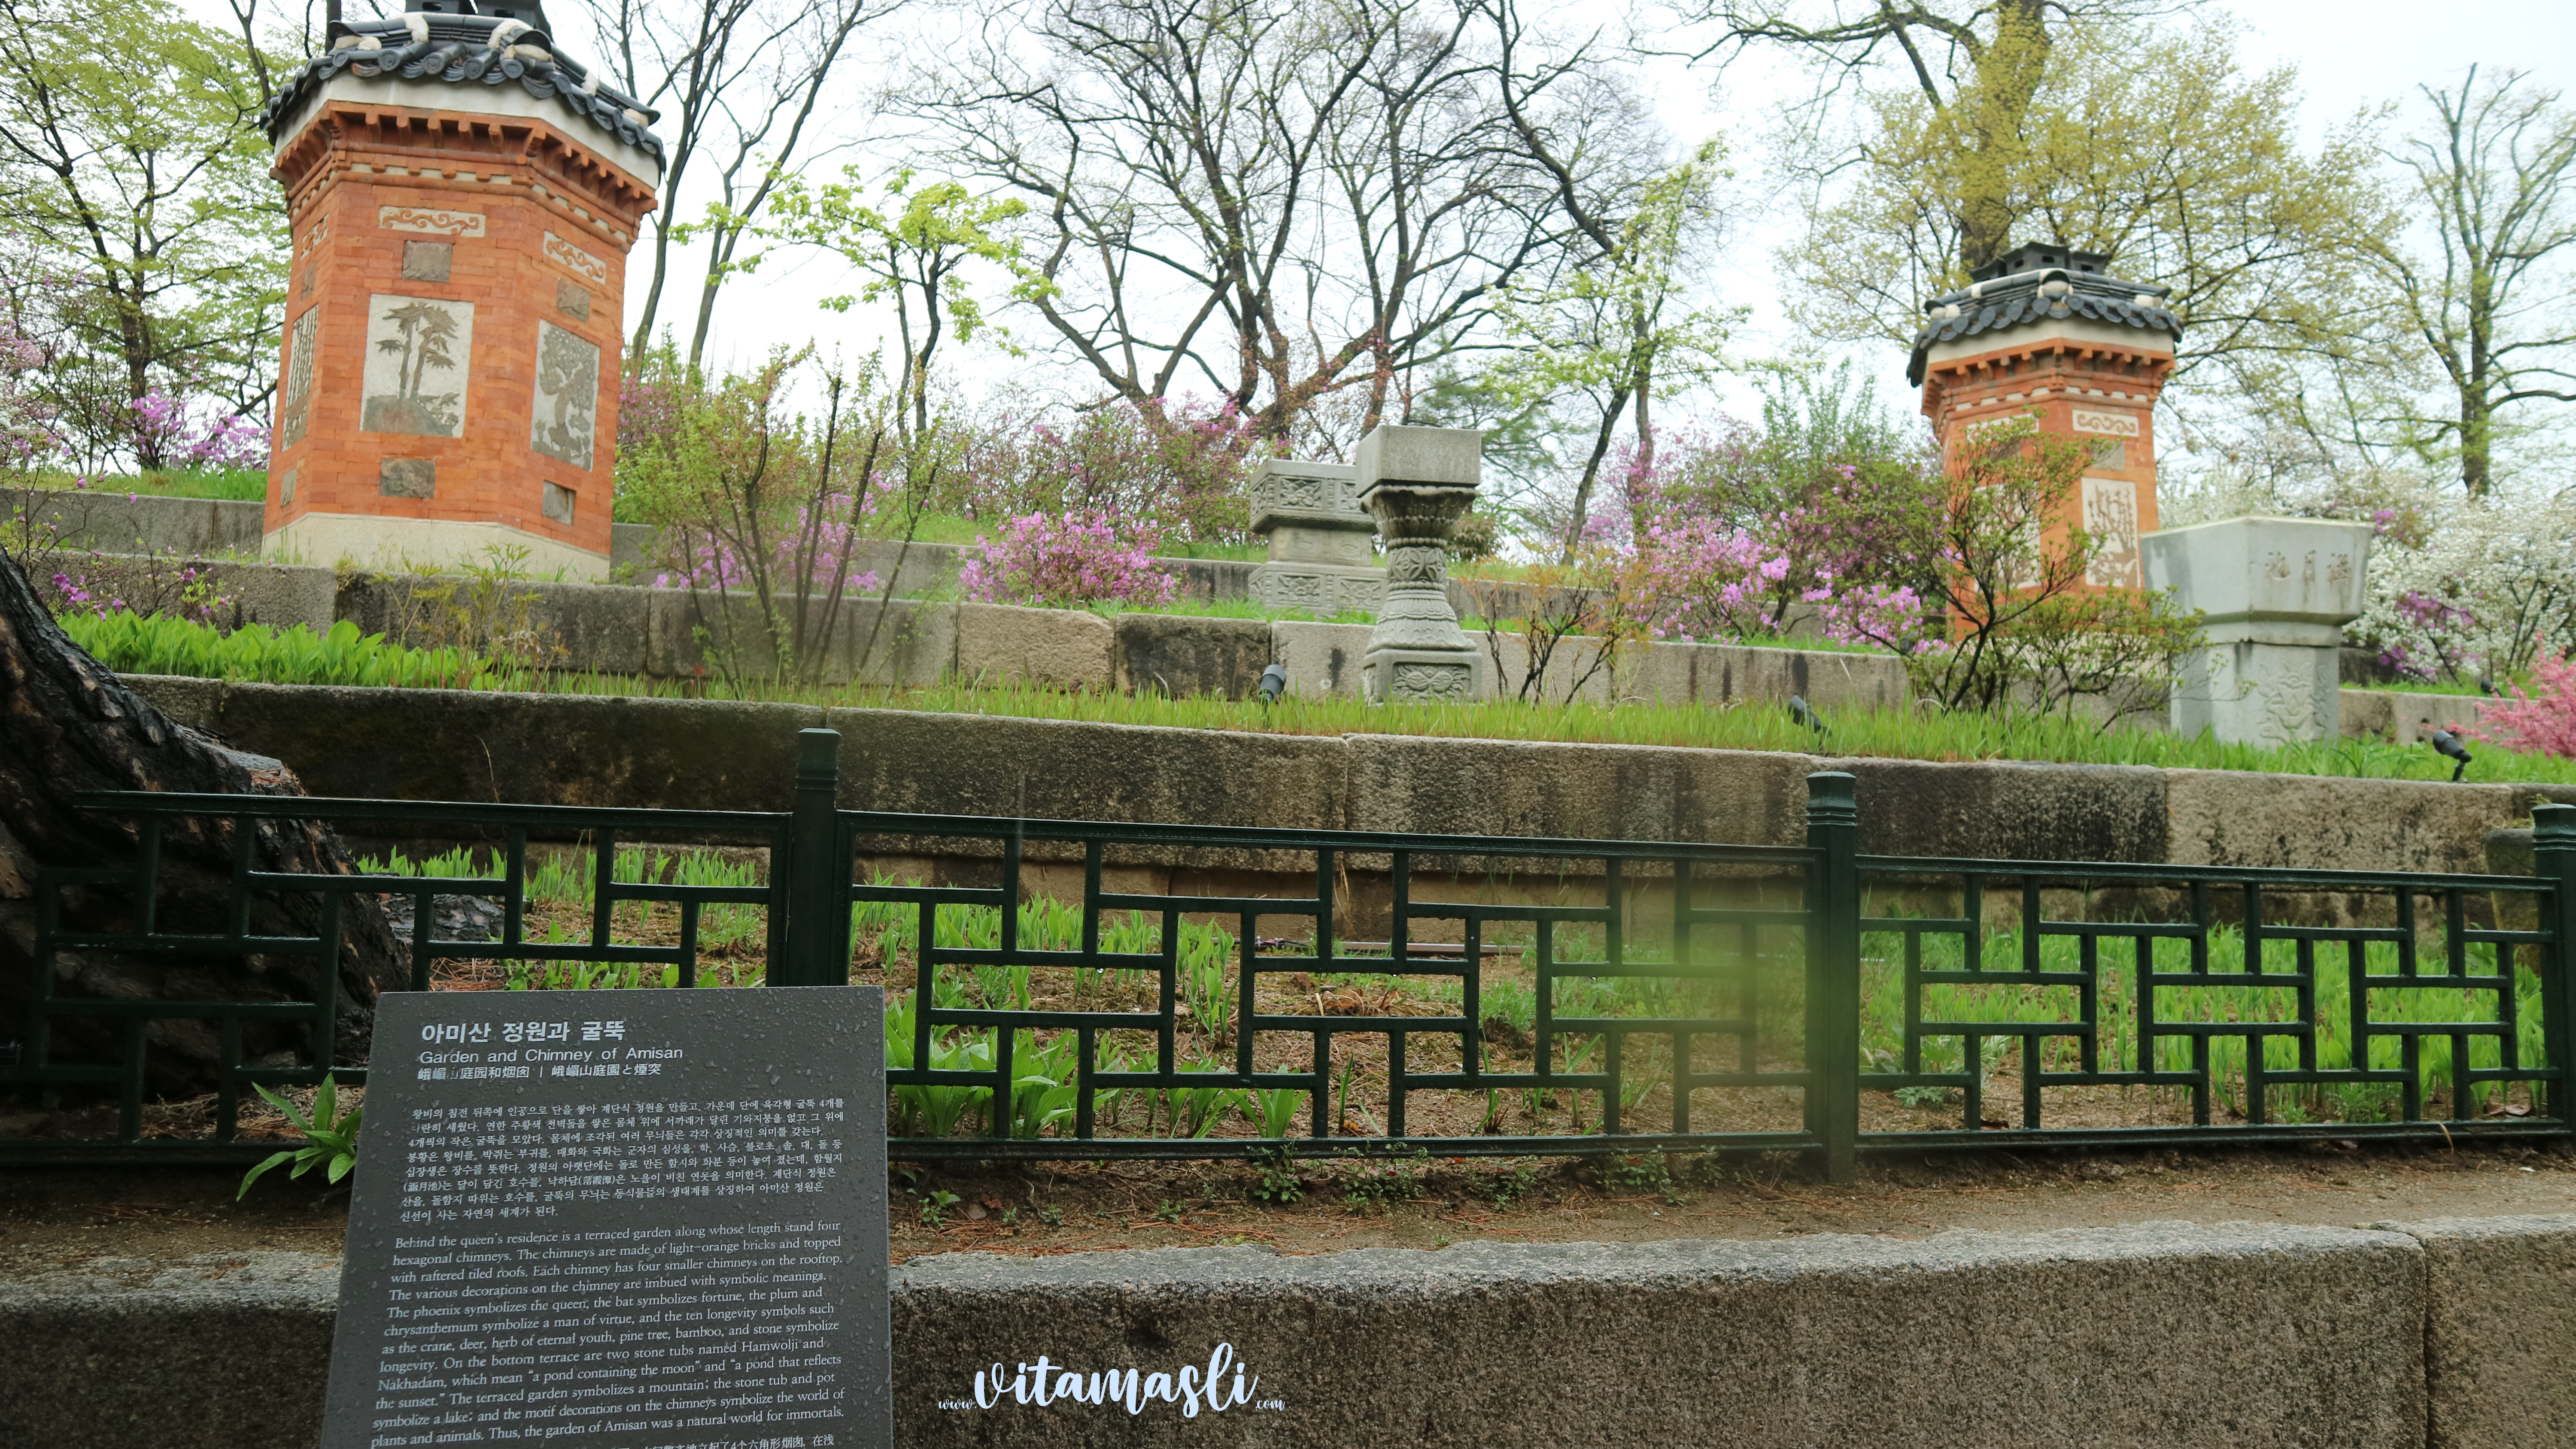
1067, 561
818, 550
1176, 467
167, 435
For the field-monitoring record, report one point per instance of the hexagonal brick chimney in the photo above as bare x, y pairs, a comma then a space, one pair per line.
2046, 329
462, 197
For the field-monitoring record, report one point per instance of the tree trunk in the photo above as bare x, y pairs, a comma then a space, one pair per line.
68, 725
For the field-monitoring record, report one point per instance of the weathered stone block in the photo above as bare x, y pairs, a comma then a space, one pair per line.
2500, 1310
1568, 669
895, 641
2366, 714
901, 760
2266, 577
434, 744
2272, 1336
1830, 680
1322, 660
279, 595
2274, 594
2009, 810
1322, 590
407, 477
427, 261
239, 1346
1417, 784
2236, 817
1058, 648
1185, 654
1438, 457
132, 522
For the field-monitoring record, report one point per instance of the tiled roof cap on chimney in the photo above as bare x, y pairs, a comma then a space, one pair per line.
2036, 282
463, 42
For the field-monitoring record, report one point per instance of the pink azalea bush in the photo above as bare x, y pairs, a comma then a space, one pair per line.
1178, 467
2544, 723
167, 436
821, 548
1072, 559
1695, 579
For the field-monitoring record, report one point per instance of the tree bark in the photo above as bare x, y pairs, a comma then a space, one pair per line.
68, 725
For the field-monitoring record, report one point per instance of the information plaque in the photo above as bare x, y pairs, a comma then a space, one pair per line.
646, 1219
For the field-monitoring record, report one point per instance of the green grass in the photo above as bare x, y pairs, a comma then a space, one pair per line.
342, 656
2426, 686
248, 485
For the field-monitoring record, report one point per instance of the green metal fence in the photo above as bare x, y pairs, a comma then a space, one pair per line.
1055, 981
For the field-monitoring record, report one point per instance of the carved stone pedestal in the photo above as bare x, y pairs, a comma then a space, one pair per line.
2276, 593
1416, 482
1321, 558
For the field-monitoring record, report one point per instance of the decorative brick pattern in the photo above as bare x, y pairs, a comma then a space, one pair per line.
2104, 395
430, 218
582, 264
488, 190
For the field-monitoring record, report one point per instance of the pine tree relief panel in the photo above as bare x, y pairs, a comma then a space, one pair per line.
418, 352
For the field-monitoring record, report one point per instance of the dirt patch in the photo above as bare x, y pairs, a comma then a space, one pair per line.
57, 1217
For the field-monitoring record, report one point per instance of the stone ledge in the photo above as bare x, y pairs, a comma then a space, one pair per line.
2500, 1309
2261, 1336
717, 755
2253, 1336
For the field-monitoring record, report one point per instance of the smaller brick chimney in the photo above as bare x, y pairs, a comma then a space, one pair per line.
2045, 329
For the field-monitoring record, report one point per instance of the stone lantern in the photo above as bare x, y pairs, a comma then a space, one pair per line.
1416, 482
2275, 594
461, 197
2045, 331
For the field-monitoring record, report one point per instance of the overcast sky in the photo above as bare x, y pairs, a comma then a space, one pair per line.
2350, 54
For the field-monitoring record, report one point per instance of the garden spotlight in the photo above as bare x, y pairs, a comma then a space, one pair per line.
2448, 745
1273, 680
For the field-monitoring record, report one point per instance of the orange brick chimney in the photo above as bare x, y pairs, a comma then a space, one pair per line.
462, 198
2042, 329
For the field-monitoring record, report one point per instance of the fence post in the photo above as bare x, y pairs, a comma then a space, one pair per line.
818, 920
2553, 858
1833, 972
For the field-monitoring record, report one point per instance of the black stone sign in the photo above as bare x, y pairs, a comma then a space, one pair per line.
646, 1219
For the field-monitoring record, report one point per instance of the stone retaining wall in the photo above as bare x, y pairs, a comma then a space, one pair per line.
2445, 1333
704, 754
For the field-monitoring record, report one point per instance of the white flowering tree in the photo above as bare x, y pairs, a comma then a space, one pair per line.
2463, 589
